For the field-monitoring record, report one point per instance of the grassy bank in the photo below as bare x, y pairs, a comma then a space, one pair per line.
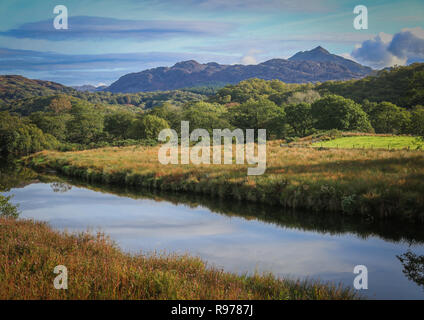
375, 184
30, 250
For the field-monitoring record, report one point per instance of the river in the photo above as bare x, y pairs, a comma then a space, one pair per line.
237, 237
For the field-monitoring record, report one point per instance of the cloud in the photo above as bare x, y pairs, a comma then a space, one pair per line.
408, 44
80, 69
86, 28
348, 56
246, 60
385, 50
261, 5
250, 57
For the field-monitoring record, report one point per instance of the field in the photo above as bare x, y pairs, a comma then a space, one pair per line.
374, 184
29, 252
374, 142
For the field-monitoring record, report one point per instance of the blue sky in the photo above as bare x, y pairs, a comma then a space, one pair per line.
107, 39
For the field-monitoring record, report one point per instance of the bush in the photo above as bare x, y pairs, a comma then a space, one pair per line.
6, 208
20, 137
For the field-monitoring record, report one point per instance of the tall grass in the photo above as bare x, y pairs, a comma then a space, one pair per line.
29, 252
376, 184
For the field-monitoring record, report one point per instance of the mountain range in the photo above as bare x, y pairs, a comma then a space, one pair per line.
306, 66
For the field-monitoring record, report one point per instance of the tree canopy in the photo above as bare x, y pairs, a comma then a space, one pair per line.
336, 112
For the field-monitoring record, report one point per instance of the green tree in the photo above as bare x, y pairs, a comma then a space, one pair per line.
20, 137
6, 208
256, 89
386, 117
170, 113
148, 127
118, 123
86, 124
299, 117
417, 121
205, 115
336, 112
51, 123
259, 114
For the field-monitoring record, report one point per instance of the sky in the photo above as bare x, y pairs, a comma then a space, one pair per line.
108, 39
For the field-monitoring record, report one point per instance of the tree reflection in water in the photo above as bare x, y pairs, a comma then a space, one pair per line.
413, 267
60, 187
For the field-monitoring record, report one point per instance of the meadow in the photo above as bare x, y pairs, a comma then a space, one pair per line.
373, 184
97, 269
373, 142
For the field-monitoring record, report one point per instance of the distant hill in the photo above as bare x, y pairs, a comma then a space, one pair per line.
25, 96
403, 86
14, 87
309, 66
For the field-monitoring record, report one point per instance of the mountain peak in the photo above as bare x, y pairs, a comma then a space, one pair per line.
186, 64
320, 49
316, 54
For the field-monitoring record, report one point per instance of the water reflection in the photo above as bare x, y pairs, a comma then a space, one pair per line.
12, 175
413, 267
236, 236
60, 187
326, 223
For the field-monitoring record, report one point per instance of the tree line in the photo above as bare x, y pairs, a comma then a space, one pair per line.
286, 110
77, 125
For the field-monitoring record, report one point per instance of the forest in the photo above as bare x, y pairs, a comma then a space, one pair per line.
37, 115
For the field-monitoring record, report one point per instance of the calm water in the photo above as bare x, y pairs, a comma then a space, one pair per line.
234, 236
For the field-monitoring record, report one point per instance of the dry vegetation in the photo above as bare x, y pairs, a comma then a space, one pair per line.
29, 251
371, 183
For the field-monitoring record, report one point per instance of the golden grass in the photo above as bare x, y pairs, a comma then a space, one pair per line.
30, 250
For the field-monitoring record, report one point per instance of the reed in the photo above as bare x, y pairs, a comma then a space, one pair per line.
97, 269
376, 184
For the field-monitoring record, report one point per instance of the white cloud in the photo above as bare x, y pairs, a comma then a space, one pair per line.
248, 60
347, 55
250, 57
385, 37
386, 50
417, 31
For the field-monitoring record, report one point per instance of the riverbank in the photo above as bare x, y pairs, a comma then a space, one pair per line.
97, 269
374, 184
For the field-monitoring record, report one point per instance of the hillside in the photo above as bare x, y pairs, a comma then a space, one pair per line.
311, 66
403, 86
15, 87
24, 96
